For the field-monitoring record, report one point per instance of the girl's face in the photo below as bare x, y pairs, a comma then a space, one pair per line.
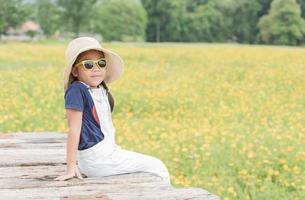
94, 76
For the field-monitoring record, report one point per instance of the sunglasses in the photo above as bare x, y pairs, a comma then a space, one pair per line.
89, 64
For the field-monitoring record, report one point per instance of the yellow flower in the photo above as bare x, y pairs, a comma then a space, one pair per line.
251, 154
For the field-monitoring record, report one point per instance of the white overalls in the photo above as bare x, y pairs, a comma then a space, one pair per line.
107, 158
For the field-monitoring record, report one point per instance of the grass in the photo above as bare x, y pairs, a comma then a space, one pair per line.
223, 117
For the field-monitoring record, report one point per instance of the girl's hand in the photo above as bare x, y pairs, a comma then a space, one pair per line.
71, 172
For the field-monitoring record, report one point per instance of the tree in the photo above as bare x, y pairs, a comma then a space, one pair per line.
12, 14
75, 14
302, 4
156, 12
283, 24
123, 20
206, 23
165, 18
265, 6
175, 27
47, 16
191, 5
245, 20
241, 16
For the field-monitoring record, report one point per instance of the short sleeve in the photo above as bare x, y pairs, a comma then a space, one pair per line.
74, 99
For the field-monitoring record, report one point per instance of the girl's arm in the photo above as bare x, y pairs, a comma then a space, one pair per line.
74, 118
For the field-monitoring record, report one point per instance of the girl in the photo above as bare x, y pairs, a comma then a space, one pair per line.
88, 104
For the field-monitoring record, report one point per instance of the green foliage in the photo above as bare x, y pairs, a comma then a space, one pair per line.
283, 24
122, 20
241, 21
179, 20
159, 16
265, 6
75, 14
202, 20
206, 23
302, 4
48, 16
12, 13
174, 25
31, 33
245, 16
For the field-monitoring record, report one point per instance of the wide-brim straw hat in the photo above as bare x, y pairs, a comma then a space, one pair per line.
78, 45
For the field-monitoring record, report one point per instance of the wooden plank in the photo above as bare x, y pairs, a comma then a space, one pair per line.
30, 161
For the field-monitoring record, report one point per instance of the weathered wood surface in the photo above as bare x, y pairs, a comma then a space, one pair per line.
30, 161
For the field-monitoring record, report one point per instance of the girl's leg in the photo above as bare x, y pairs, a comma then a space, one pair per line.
128, 162
123, 161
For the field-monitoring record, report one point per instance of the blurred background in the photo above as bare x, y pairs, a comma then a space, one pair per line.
214, 88
242, 21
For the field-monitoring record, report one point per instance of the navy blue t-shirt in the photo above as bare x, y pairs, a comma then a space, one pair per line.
78, 97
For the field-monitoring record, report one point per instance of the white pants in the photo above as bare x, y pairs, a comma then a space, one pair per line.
104, 159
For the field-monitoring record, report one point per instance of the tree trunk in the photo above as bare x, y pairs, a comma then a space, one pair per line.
158, 31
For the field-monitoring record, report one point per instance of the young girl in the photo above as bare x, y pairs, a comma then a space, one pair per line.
88, 104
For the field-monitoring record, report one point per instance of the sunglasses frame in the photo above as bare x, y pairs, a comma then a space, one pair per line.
95, 62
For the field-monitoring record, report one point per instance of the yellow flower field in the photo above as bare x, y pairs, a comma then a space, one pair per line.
227, 118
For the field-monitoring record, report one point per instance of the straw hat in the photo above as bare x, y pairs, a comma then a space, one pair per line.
78, 45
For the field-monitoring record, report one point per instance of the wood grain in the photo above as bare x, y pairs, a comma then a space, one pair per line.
30, 161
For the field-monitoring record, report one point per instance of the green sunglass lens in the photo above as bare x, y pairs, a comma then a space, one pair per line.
101, 63
88, 65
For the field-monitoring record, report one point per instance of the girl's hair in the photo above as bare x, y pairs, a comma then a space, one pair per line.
109, 95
